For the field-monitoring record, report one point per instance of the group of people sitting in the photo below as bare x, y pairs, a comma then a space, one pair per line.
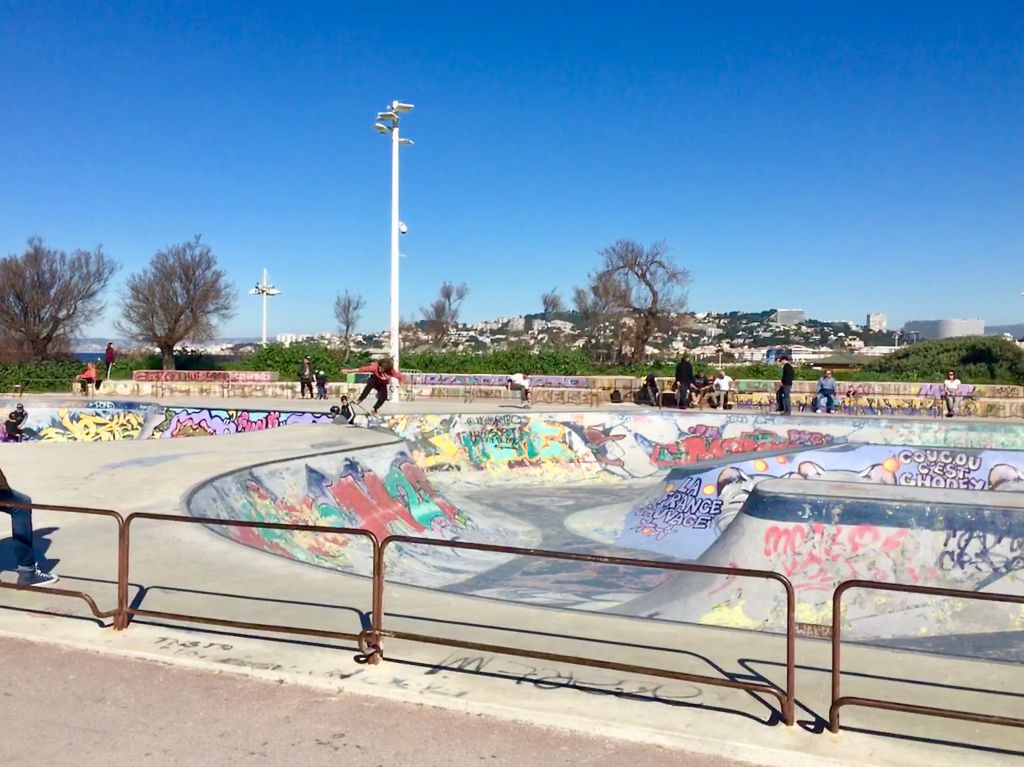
691, 391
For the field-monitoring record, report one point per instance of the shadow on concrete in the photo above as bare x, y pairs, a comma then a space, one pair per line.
282, 639
467, 663
72, 582
819, 724
649, 692
145, 591
40, 543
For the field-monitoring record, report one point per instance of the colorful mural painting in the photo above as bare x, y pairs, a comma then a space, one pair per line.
379, 489
631, 445
199, 422
819, 535
695, 507
98, 421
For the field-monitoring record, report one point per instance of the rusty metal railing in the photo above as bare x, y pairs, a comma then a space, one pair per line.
909, 708
122, 573
372, 642
129, 612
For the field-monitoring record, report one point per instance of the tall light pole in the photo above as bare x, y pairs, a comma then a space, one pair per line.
387, 122
266, 290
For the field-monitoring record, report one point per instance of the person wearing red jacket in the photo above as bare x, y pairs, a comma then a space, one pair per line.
381, 374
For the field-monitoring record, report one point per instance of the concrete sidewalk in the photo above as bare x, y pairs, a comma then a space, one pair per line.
81, 708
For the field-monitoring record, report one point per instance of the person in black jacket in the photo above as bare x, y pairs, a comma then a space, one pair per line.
306, 378
684, 379
785, 402
12, 428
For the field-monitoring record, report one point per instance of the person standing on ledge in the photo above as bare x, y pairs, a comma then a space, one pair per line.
786, 386
306, 378
110, 357
684, 379
21, 531
381, 374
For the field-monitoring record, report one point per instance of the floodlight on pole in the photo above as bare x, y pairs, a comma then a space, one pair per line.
387, 122
266, 290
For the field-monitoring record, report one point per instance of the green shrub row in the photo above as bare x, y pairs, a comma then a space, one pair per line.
977, 360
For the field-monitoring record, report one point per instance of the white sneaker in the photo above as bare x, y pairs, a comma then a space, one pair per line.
36, 577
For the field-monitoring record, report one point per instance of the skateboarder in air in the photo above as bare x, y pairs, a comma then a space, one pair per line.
381, 374
520, 382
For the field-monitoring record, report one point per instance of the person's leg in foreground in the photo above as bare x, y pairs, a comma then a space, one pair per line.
21, 532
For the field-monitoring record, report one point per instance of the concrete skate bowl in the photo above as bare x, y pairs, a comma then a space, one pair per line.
671, 486
99, 420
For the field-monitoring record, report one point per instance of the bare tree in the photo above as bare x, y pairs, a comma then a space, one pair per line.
47, 296
599, 307
443, 314
348, 308
552, 303
181, 295
638, 289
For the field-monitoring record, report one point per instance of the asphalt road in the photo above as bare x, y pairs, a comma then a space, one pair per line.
69, 707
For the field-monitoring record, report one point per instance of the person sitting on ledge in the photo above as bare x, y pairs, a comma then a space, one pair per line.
89, 376
721, 386
648, 394
21, 532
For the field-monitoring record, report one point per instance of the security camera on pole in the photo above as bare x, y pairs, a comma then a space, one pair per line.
387, 122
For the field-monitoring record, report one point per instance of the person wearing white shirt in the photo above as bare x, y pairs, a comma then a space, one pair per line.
951, 393
722, 385
520, 382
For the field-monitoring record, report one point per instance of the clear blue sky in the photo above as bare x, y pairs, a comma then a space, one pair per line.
839, 158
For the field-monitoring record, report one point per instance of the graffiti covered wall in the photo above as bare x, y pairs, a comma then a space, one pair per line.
378, 489
696, 506
199, 422
102, 421
638, 444
819, 535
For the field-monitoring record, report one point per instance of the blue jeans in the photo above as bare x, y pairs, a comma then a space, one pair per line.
830, 399
21, 527
785, 404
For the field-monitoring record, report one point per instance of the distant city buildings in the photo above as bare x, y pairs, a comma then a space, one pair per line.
945, 328
287, 339
876, 323
789, 317
708, 336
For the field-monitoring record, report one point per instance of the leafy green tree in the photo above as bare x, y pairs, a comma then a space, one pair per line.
286, 361
976, 359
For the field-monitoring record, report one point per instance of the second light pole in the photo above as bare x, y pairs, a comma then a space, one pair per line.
387, 122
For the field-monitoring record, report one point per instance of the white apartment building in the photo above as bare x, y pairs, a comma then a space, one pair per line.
876, 323
945, 328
